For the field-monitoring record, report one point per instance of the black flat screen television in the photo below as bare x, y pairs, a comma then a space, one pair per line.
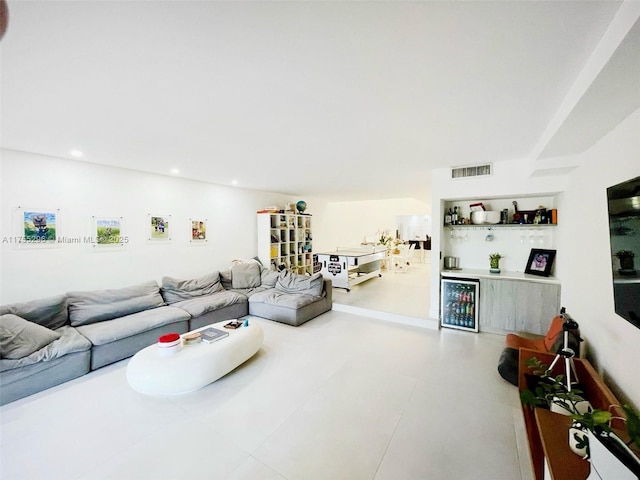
624, 234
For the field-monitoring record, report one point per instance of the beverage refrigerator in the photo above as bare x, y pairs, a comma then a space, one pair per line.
459, 303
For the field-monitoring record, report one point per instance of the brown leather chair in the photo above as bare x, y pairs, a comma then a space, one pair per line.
552, 342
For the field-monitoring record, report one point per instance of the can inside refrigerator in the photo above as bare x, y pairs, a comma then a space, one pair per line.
459, 301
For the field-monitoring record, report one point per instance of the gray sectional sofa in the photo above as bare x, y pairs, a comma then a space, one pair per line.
49, 341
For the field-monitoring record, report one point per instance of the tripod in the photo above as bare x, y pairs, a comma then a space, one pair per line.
565, 352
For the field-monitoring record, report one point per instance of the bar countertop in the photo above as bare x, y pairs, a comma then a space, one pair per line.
503, 275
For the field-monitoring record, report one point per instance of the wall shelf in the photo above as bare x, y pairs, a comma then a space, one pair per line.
504, 225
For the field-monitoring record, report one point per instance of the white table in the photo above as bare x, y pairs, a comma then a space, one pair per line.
192, 367
349, 266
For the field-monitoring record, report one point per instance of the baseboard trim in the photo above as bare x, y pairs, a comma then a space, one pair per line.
389, 317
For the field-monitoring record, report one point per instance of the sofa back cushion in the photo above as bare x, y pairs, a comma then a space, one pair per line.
98, 305
49, 312
289, 282
175, 290
269, 278
19, 338
246, 275
225, 279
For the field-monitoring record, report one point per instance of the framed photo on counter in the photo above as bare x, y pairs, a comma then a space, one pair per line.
540, 262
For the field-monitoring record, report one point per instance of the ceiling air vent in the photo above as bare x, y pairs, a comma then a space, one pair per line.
472, 171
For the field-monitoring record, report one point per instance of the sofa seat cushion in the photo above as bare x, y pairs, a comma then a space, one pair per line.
99, 305
20, 338
247, 292
102, 333
288, 300
289, 282
197, 307
175, 290
49, 312
69, 341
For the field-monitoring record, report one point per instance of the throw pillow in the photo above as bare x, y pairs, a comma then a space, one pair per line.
245, 275
269, 277
20, 338
49, 312
289, 282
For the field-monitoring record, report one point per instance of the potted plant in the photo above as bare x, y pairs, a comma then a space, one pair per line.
610, 456
550, 392
494, 262
553, 393
626, 259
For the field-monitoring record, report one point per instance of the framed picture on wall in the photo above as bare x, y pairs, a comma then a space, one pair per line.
36, 228
198, 231
108, 232
159, 228
540, 262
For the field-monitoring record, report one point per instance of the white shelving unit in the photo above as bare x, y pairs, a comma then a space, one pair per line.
285, 241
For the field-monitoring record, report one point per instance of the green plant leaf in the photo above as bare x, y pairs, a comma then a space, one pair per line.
633, 424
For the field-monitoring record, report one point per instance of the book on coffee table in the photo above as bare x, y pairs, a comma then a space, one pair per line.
210, 335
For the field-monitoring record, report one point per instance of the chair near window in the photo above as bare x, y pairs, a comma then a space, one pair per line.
402, 260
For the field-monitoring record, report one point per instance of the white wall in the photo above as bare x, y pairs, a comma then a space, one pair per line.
82, 190
583, 263
509, 181
587, 290
339, 224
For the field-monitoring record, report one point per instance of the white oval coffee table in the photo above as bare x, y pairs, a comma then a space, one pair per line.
153, 373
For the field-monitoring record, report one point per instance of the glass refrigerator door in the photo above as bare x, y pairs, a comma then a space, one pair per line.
459, 304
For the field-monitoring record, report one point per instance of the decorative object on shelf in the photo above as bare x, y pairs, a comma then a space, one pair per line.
578, 440
483, 217
540, 215
522, 216
301, 206
489, 237
540, 262
451, 263
494, 262
626, 262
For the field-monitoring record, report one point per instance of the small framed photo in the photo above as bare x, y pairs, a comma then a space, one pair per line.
159, 228
540, 262
198, 231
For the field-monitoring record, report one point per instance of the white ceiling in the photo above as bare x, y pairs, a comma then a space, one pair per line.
352, 100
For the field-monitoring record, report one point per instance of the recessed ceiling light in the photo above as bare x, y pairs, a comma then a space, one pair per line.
234, 182
175, 171
76, 153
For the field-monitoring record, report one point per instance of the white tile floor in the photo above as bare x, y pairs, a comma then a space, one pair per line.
406, 293
340, 397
